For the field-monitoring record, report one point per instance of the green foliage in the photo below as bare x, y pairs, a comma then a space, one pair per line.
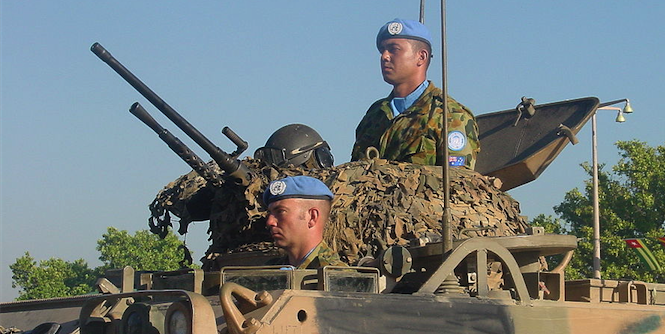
632, 205
551, 225
142, 251
51, 278
58, 278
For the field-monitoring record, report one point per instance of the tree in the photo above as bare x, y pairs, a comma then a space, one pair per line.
51, 278
632, 205
143, 251
58, 278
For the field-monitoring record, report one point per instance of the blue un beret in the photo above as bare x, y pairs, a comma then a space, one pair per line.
408, 29
296, 187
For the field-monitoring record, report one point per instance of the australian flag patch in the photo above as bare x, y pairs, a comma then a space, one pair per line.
456, 161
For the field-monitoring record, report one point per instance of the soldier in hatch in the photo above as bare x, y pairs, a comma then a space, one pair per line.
406, 126
298, 209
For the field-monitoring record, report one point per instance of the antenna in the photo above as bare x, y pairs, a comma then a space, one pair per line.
422, 12
446, 228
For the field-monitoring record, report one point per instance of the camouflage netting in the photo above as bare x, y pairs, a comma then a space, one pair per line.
376, 202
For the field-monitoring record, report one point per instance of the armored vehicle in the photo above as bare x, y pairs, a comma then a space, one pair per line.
404, 276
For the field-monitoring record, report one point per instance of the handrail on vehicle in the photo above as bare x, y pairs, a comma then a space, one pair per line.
248, 300
480, 247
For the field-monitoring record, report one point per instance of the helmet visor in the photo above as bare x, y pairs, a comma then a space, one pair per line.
281, 158
324, 157
271, 155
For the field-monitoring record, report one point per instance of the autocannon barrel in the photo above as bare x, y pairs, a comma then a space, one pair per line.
232, 166
177, 146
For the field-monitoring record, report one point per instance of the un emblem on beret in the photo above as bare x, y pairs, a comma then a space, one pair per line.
456, 141
277, 188
394, 28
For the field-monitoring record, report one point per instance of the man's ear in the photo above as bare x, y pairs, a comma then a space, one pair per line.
314, 217
423, 57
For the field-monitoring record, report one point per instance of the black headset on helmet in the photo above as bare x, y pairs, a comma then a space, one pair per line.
298, 145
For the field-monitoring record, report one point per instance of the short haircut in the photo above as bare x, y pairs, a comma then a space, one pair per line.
419, 45
323, 205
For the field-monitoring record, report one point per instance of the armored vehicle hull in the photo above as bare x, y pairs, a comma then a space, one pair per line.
347, 300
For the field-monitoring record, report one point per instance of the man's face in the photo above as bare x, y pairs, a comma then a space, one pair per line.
399, 61
287, 222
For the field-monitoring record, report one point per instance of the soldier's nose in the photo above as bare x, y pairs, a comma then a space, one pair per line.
385, 56
270, 221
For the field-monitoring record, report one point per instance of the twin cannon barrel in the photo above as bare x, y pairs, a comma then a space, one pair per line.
229, 163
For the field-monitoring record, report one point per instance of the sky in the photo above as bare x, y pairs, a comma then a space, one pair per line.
74, 161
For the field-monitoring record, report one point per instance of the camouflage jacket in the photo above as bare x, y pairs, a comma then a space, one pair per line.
321, 256
415, 135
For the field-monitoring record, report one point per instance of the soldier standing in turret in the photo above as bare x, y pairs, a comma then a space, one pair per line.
406, 126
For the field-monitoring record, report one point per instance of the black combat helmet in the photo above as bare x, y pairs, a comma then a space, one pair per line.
298, 145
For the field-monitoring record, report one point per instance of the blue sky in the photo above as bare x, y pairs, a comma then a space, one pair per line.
74, 161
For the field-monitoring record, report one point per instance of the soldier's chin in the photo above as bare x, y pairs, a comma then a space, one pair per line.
279, 242
387, 79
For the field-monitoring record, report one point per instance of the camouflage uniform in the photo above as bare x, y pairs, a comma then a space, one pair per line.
415, 135
321, 256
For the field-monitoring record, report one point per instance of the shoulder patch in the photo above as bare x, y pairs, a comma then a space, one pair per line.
456, 141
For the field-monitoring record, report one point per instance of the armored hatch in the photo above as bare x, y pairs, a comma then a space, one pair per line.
518, 144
